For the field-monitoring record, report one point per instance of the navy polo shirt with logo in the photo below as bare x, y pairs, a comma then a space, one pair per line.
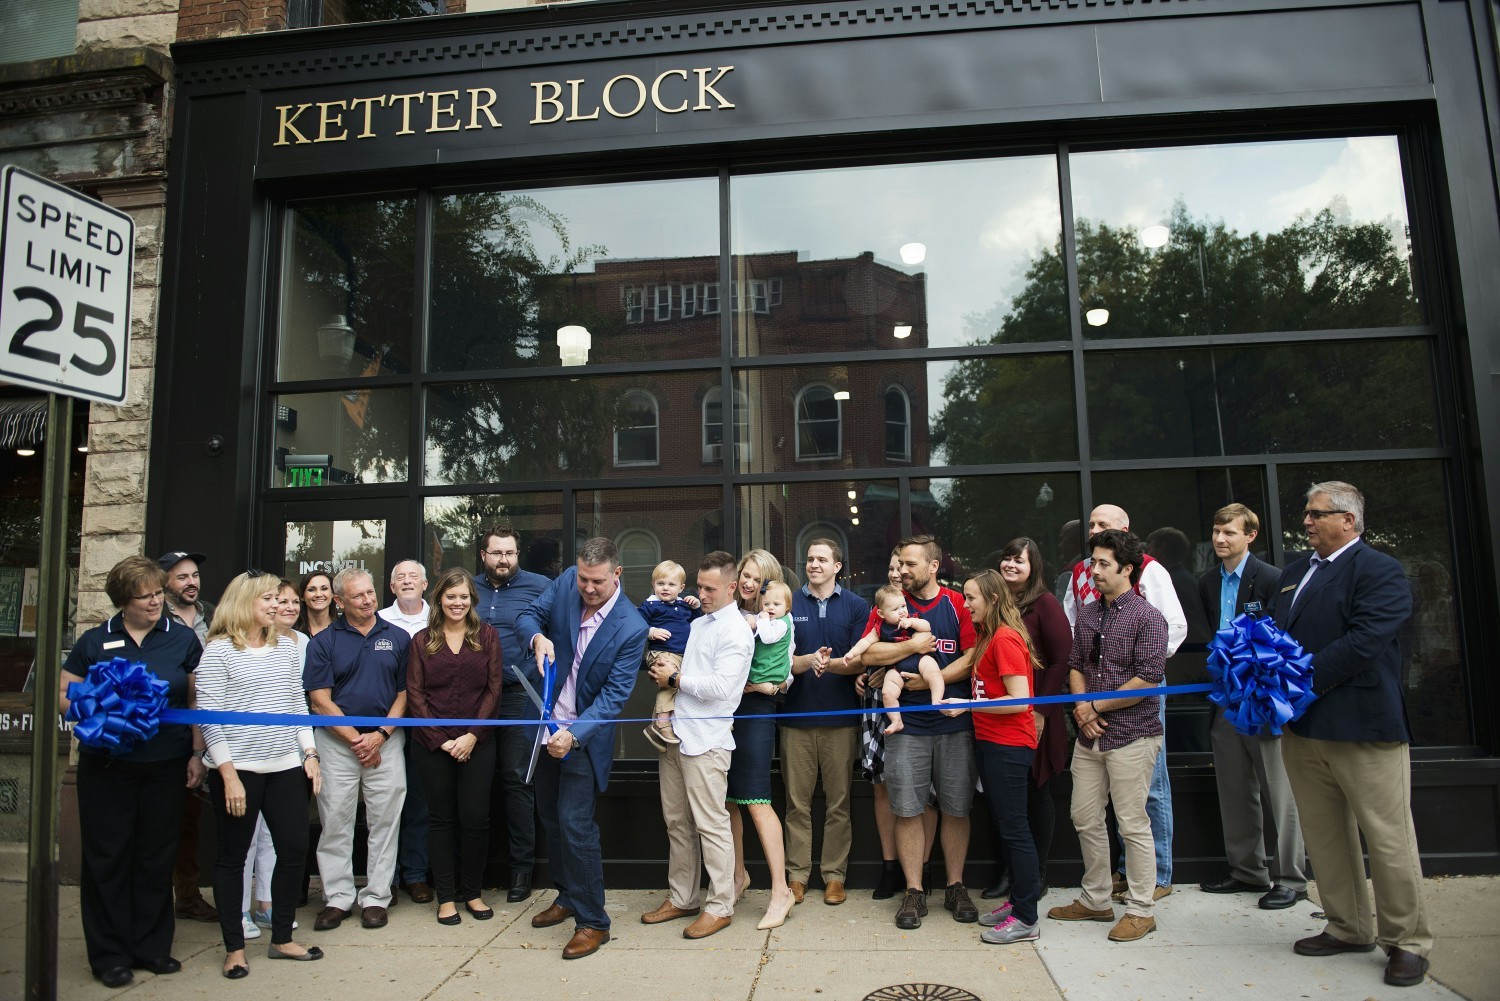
835, 622
170, 651
366, 673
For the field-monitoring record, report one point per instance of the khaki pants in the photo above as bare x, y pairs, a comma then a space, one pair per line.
1122, 777
692, 804
807, 753
1344, 788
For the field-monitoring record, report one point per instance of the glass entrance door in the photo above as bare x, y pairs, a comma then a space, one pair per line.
332, 535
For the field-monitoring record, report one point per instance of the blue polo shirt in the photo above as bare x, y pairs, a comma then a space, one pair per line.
499, 606
171, 651
836, 622
366, 673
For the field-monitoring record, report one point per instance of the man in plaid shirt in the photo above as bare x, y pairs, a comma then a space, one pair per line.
1119, 643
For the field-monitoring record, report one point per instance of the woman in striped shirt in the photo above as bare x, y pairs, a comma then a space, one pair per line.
256, 770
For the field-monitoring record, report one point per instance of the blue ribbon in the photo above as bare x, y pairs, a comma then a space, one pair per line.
118, 705
1262, 677
298, 719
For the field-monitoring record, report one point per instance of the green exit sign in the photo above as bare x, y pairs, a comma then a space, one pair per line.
306, 476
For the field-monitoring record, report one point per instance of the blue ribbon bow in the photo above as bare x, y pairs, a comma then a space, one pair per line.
117, 706
1262, 677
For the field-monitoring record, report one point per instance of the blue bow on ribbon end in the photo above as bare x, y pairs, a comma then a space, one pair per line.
117, 706
1262, 677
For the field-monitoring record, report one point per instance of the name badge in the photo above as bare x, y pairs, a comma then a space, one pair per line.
1252, 606
382, 646
114, 644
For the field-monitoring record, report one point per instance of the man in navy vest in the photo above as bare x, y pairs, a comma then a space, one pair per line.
1348, 757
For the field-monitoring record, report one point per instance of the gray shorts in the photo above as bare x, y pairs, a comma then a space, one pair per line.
917, 765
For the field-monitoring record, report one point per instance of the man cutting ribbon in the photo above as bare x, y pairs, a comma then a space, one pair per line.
597, 642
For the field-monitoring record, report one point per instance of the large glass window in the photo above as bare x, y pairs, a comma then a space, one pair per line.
451, 527
1238, 238
324, 439
347, 289
863, 516
973, 517
569, 276
906, 256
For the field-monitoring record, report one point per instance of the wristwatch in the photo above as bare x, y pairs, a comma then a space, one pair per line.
672, 681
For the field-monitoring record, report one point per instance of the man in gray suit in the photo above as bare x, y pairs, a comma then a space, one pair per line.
1248, 770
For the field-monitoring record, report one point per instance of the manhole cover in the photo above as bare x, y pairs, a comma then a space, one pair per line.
921, 992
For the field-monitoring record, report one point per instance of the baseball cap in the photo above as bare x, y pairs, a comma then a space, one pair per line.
170, 560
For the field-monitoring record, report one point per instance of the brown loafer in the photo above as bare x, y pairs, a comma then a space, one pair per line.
799, 890
585, 942
1405, 969
705, 926
330, 918
1324, 944
555, 914
373, 917
1078, 911
1131, 928
833, 892
419, 892
196, 909
668, 911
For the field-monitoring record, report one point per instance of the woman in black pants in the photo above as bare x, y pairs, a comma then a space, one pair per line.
455, 670
248, 666
130, 805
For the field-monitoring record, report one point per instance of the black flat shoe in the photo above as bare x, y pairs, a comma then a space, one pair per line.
520, 888
452, 919
483, 915
160, 967
999, 888
237, 973
312, 955
115, 976
886, 888
1231, 885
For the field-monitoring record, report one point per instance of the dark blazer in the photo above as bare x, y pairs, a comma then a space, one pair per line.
1258, 582
1350, 618
608, 672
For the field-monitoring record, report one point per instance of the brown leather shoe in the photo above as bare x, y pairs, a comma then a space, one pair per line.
705, 926
668, 911
585, 942
1131, 928
419, 892
1076, 911
555, 914
330, 918
833, 892
799, 890
195, 908
1405, 969
1324, 944
373, 917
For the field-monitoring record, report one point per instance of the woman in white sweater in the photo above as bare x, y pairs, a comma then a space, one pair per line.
256, 770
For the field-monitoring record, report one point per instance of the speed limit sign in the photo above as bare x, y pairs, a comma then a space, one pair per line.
66, 263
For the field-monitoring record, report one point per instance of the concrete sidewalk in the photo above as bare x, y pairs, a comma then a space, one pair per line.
1211, 947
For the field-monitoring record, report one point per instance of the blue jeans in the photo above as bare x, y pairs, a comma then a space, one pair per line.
1006, 774
565, 800
411, 855
1159, 809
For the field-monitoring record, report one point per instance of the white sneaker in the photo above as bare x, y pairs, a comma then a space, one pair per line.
1010, 930
250, 928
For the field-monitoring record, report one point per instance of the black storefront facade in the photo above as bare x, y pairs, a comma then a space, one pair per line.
696, 276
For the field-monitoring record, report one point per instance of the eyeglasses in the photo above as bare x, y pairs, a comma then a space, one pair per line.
1314, 513
502, 553
148, 598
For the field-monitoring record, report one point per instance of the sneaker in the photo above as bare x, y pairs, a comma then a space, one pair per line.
1010, 930
653, 737
1078, 911
956, 899
263, 918
913, 909
991, 918
889, 883
249, 927
1131, 928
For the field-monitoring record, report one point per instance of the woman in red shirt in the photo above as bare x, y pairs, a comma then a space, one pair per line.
455, 670
1005, 746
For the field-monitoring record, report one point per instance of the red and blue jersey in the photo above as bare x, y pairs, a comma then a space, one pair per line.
952, 634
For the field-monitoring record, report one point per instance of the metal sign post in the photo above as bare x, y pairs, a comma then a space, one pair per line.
66, 268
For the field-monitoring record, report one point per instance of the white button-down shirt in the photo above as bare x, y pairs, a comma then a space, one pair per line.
714, 669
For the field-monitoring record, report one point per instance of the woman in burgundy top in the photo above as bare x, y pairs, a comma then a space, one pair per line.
455, 670
1052, 639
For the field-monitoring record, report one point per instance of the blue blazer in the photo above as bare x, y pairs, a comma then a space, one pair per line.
608, 671
1350, 618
